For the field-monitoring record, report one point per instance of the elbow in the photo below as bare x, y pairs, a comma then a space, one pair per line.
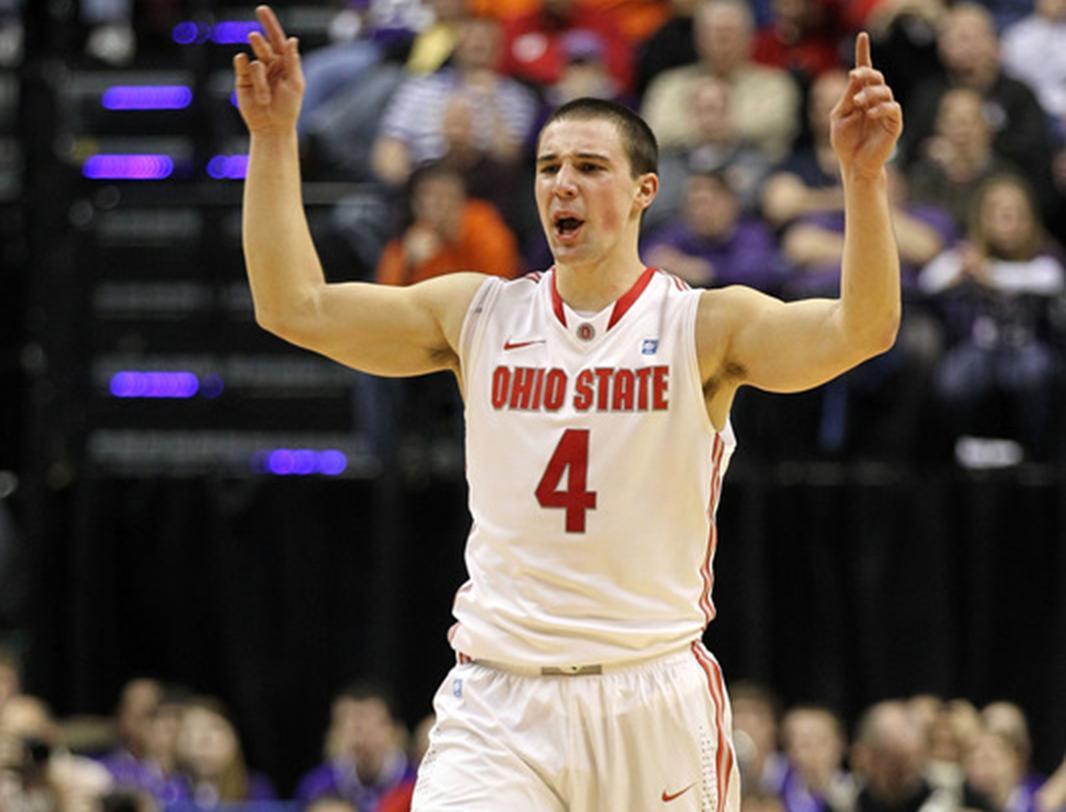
883, 337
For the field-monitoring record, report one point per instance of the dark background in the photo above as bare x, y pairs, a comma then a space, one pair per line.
837, 582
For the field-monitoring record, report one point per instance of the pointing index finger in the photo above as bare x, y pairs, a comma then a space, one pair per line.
862, 51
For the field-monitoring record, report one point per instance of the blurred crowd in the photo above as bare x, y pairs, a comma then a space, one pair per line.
438, 118
167, 750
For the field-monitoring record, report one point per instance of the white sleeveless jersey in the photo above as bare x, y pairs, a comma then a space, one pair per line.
594, 475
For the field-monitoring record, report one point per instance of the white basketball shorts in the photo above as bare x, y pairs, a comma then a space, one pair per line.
649, 736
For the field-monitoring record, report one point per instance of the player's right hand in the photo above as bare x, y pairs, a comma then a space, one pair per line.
270, 87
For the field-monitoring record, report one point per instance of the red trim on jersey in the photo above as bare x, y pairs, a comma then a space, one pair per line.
723, 757
679, 283
557, 301
532, 276
706, 573
630, 296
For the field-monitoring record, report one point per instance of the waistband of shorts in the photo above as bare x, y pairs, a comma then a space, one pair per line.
580, 670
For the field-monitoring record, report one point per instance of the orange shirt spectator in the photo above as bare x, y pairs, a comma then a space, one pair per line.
450, 233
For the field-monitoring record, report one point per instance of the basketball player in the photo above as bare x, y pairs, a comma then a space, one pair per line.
597, 408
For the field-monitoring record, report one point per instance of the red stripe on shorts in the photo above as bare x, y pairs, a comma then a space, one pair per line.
723, 757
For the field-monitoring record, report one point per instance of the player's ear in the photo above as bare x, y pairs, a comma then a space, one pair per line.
647, 189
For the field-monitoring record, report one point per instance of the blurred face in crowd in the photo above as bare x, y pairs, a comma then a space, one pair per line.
162, 740
723, 35
961, 121
967, 41
993, 767
437, 202
814, 744
478, 47
369, 731
825, 92
755, 718
711, 207
710, 103
1008, 223
586, 193
891, 754
206, 742
137, 707
21, 718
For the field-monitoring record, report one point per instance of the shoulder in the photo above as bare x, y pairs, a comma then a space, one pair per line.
720, 314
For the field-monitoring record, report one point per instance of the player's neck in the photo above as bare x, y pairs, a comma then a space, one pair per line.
590, 287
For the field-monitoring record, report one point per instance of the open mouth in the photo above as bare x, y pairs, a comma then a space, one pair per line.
567, 226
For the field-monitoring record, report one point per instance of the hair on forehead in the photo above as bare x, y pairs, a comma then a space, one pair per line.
638, 141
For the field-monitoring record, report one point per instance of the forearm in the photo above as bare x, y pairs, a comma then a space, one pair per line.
283, 268
869, 285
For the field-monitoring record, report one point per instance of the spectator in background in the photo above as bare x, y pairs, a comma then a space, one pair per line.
137, 706
904, 38
449, 232
765, 100
996, 767
808, 181
813, 244
1034, 51
365, 758
755, 713
712, 245
887, 756
716, 147
950, 733
672, 45
802, 38
536, 51
814, 742
209, 755
958, 156
502, 110
969, 50
434, 45
1008, 720
36, 773
160, 776
995, 287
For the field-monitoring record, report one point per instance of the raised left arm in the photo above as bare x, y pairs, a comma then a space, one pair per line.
761, 341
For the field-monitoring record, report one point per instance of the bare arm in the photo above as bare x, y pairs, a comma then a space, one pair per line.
746, 337
387, 331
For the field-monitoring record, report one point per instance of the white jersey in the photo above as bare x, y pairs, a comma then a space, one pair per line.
594, 475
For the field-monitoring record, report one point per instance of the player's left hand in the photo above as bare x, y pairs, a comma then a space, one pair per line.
867, 121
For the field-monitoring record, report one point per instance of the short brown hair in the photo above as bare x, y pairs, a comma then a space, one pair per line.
638, 140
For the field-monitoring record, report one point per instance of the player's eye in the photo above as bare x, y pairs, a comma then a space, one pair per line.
590, 167
549, 169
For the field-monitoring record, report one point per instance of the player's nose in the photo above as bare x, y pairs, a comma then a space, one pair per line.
565, 182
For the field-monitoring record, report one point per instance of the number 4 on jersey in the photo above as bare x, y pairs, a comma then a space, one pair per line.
572, 453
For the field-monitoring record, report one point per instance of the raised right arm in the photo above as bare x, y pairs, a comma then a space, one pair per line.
378, 329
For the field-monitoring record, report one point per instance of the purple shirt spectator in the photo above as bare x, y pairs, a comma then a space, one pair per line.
340, 778
145, 776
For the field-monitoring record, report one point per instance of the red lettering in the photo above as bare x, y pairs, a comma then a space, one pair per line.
660, 385
583, 390
538, 388
642, 388
501, 383
554, 390
623, 391
603, 387
522, 389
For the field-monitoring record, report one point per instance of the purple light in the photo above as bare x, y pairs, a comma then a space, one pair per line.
228, 167
147, 97
280, 462
233, 99
185, 33
132, 384
332, 462
127, 167
300, 462
233, 32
